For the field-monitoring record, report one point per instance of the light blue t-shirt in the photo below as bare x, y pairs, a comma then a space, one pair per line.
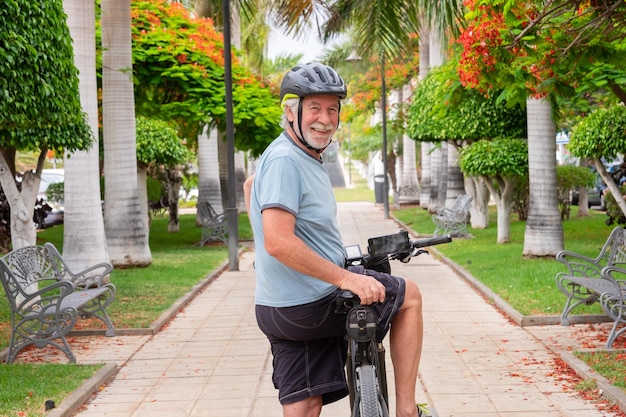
290, 179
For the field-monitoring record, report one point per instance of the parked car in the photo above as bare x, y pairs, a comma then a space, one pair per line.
595, 193
56, 212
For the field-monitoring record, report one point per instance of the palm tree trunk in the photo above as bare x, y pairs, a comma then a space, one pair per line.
84, 241
439, 180
544, 230
424, 46
455, 186
409, 186
208, 171
426, 174
125, 224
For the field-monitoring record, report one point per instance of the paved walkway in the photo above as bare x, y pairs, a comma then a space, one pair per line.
212, 360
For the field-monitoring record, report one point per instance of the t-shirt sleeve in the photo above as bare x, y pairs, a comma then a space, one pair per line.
281, 186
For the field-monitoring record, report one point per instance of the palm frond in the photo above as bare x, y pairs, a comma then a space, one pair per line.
382, 27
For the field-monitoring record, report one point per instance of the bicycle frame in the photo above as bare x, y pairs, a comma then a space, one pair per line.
354, 364
365, 364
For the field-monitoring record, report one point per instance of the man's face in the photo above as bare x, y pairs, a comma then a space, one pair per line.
320, 118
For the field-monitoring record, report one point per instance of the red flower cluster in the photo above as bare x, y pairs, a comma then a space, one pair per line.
479, 40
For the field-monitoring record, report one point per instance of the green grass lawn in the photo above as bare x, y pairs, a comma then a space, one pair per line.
527, 284
25, 388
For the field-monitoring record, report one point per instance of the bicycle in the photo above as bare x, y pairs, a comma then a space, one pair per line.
365, 364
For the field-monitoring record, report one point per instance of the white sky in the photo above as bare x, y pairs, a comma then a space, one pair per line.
280, 44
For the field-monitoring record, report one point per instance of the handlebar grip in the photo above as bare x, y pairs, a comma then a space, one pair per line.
432, 241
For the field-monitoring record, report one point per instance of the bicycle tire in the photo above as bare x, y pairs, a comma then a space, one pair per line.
369, 404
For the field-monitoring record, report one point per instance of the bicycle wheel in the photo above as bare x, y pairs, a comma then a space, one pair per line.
369, 399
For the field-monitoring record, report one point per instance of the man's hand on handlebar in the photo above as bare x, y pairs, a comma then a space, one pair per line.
368, 289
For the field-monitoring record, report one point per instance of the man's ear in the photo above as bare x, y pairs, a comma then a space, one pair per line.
290, 115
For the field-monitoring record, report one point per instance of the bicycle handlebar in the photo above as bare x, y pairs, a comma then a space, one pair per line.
431, 241
398, 246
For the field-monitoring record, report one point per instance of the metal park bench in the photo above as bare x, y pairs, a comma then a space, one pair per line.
214, 226
453, 221
613, 301
589, 280
46, 298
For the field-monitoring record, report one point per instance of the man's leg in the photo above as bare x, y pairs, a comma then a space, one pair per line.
309, 407
406, 347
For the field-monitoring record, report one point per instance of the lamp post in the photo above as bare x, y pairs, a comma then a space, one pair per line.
383, 105
233, 229
349, 143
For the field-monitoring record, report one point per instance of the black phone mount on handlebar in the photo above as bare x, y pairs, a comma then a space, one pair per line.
383, 249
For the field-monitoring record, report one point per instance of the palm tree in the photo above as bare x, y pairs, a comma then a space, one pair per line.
125, 224
455, 185
84, 242
544, 230
424, 47
209, 188
408, 189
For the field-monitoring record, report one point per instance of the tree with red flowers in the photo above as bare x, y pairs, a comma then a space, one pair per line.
178, 64
531, 50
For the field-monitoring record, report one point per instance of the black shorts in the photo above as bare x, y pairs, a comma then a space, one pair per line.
309, 342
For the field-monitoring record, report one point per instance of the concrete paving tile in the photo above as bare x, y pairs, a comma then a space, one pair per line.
135, 373
461, 404
165, 408
201, 349
174, 392
232, 368
451, 382
126, 389
230, 392
530, 414
265, 407
530, 400
104, 408
156, 349
478, 360
436, 361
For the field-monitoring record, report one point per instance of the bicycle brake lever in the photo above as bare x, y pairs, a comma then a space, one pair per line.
405, 258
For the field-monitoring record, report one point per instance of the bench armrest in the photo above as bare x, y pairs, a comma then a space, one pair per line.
93, 276
45, 298
579, 265
90, 276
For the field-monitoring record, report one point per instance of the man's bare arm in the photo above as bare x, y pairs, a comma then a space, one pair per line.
247, 192
282, 243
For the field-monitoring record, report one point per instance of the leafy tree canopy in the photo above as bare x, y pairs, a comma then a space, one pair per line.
178, 63
443, 110
39, 100
493, 158
159, 143
365, 88
601, 134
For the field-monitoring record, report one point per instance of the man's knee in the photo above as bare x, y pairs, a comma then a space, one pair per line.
309, 407
412, 296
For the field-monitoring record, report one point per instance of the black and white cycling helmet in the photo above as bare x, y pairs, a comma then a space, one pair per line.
312, 78
307, 80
